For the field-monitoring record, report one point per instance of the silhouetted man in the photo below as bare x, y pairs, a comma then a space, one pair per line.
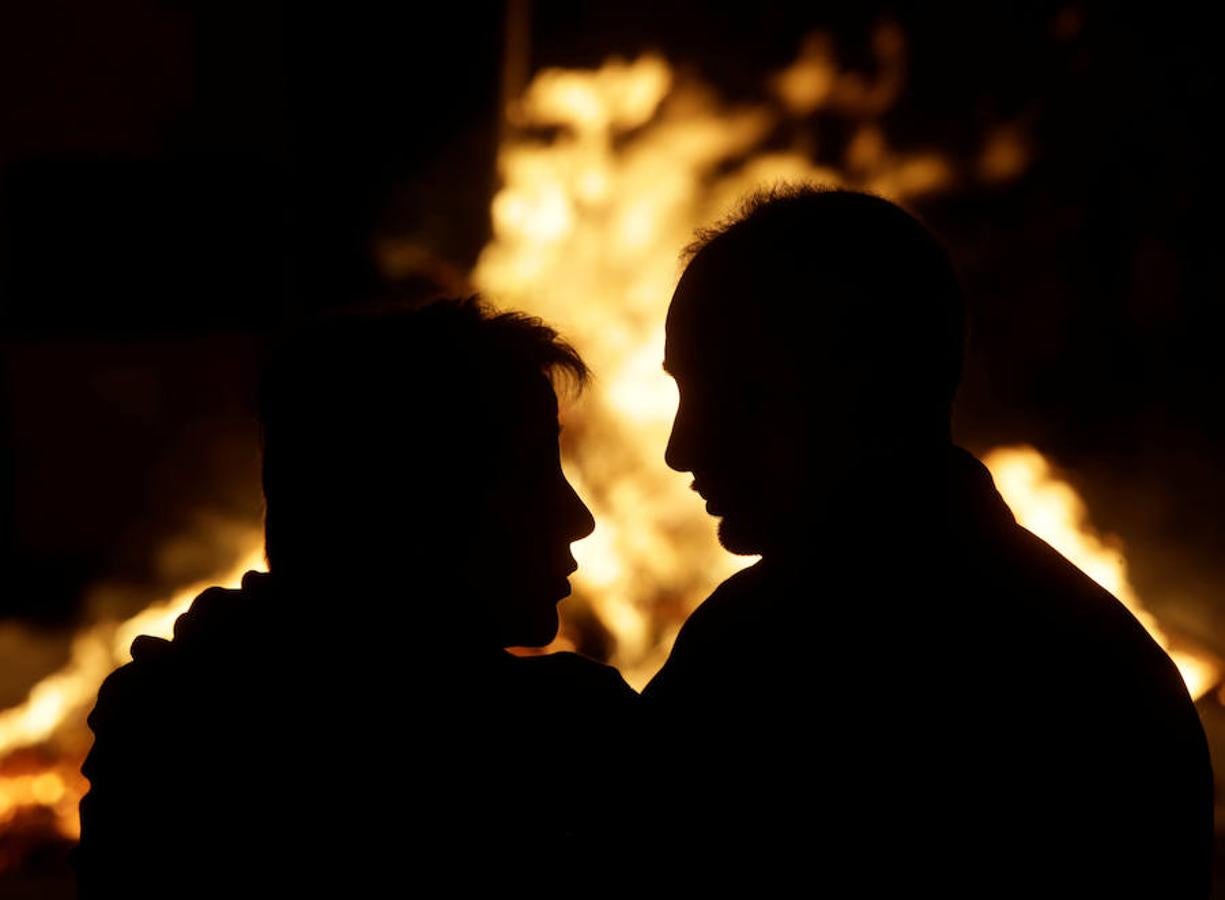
909, 694
350, 723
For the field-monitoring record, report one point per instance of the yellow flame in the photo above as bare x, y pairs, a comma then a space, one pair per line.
95, 653
588, 227
1051, 509
816, 81
62, 699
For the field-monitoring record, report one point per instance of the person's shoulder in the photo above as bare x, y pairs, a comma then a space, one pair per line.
161, 762
737, 598
726, 621
1078, 613
734, 609
1057, 588
571, 674
161, 668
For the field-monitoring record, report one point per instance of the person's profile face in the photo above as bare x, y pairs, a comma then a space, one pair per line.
741, 428
527, 519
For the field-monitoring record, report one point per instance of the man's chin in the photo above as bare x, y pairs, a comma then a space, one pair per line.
739, 539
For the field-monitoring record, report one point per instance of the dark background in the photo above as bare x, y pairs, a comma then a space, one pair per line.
177, 177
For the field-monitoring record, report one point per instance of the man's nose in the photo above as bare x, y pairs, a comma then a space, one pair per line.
678, 454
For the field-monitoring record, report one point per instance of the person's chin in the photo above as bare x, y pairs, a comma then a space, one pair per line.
738, 537
540, 632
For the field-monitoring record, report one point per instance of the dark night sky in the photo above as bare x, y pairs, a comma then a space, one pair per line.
174, 177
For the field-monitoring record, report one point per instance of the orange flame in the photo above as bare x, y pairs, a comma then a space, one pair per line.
1051, 509
57, 788
588, 228
95, 653
62, 699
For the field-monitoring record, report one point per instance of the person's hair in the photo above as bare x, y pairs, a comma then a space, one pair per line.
358, 400
850, 265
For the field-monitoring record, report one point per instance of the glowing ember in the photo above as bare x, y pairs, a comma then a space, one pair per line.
1051, 509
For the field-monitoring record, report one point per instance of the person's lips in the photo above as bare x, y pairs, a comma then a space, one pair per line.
561, 584
713, 506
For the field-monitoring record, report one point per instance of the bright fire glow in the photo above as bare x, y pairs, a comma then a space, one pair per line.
95, 653
1051, 509
63, 698
588, 229
57, 789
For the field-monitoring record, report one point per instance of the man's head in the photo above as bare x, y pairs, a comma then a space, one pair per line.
816, 333
415, 453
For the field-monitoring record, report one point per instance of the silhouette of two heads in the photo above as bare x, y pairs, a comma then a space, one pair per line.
412, 457
813, 336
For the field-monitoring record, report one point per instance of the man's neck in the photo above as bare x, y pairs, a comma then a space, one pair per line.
876, 496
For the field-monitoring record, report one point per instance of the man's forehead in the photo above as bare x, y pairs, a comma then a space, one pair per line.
702, 322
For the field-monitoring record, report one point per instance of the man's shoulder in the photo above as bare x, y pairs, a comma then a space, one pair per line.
1056, 591
726, 622
733, 604
1068, 610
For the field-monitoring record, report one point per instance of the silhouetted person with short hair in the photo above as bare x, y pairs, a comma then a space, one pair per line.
350, 723
909, 694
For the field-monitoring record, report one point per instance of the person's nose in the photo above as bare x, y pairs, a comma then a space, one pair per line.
579, 520
679, 452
